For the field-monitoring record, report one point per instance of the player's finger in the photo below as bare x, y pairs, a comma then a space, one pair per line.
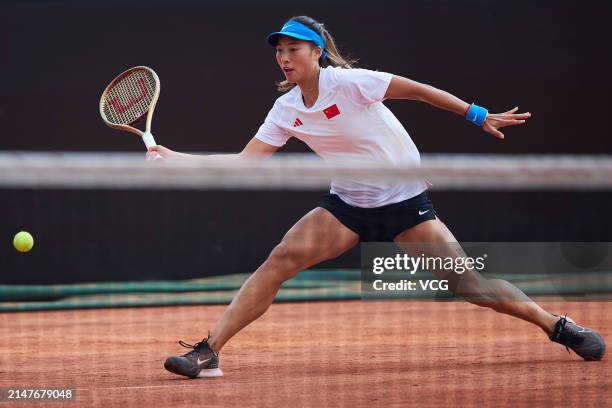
154, 156
512, 123
493, 130
510, 116
499, 135
512, 110
521, 115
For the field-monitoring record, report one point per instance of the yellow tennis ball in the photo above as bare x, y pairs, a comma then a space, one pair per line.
23, 241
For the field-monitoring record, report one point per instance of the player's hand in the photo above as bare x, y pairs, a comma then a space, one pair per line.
159, 153
496, 121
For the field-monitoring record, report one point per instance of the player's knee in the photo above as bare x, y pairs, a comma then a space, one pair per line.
284, 262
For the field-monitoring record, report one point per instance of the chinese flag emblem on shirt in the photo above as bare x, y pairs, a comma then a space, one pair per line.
331, 112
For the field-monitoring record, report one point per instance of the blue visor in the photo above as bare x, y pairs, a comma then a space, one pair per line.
298, 30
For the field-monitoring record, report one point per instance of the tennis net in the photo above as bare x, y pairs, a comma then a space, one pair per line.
301, 172
145, 230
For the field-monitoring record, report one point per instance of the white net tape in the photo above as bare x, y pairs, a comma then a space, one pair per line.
300, 172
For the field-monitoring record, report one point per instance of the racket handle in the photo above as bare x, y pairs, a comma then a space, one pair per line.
149, 141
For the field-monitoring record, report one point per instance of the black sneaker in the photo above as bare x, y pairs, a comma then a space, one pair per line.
199, 362
585, 342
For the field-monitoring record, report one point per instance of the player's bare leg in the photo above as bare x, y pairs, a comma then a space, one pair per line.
499, 295
317, 237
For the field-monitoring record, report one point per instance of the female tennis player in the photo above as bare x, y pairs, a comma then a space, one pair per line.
338, 112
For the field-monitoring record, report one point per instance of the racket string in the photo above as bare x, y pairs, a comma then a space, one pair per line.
129, 99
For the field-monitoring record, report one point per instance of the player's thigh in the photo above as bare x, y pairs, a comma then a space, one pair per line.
431, 231
316, 237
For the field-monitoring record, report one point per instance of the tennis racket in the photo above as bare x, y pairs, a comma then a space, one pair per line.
128, 98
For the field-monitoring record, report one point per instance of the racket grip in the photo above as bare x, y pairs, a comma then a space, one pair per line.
149, 141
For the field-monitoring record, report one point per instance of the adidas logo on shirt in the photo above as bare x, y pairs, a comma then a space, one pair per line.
297, 122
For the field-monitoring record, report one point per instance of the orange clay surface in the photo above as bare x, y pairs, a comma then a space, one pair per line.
317, 354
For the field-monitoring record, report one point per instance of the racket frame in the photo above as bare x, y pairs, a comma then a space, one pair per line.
146, 136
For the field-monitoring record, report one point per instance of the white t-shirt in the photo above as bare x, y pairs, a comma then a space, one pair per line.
348, 121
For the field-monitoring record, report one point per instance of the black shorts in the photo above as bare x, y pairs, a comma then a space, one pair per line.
381, 224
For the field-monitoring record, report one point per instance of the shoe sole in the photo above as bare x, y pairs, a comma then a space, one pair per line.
175, 367
210, 373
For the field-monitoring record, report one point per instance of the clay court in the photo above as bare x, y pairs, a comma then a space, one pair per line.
312, 354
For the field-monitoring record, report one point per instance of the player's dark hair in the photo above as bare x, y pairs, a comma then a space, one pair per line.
334, 58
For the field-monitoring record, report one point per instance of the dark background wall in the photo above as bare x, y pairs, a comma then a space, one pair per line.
217, 74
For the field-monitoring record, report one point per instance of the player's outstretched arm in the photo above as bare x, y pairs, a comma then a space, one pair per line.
255, 149
404, 88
